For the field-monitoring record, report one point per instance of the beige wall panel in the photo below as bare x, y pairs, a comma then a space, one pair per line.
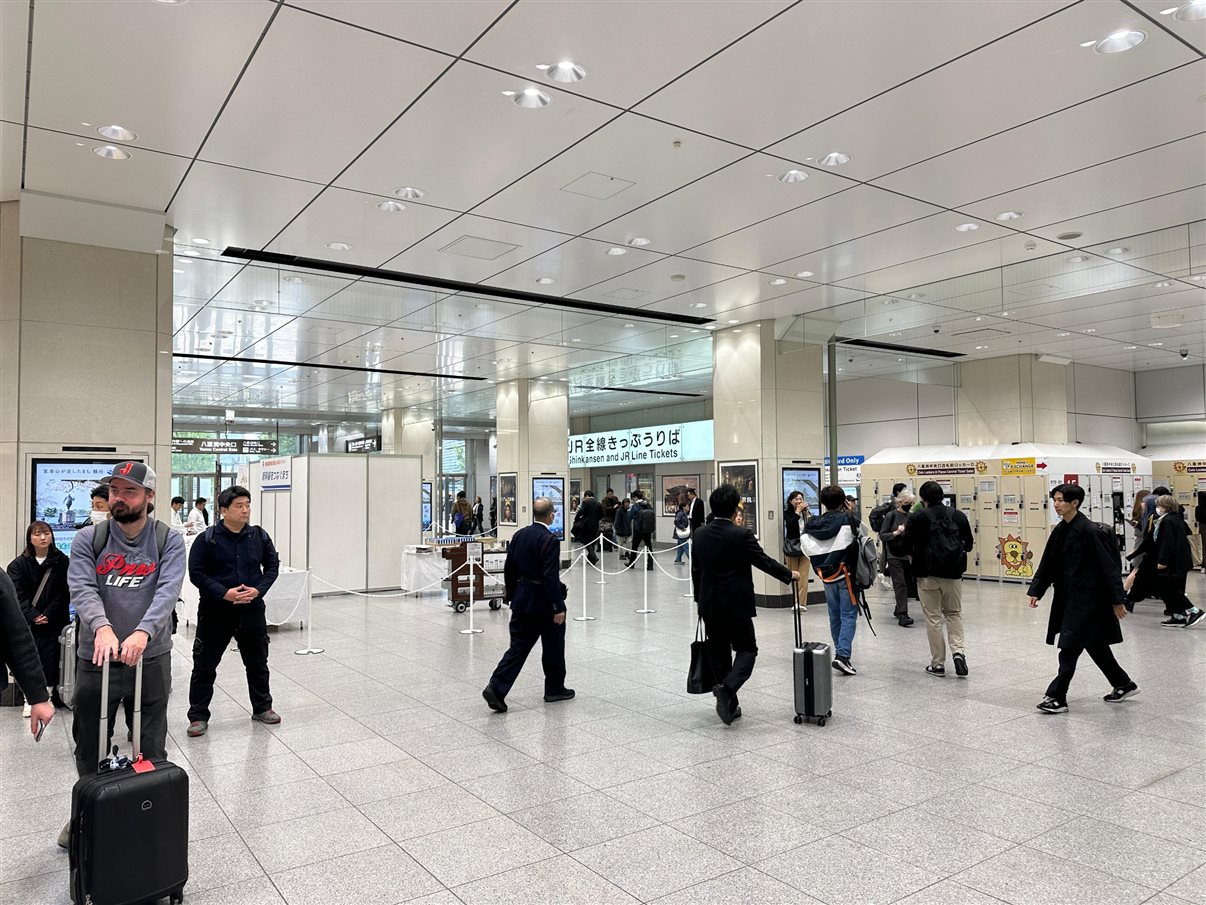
81, 284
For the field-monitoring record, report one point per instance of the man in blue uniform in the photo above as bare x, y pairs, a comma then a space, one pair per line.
533, 580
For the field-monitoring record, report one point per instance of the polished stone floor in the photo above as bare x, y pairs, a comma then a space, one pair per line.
389, 781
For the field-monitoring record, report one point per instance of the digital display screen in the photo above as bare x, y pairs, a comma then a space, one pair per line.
808, 482
425, 506
60, 494
554, 490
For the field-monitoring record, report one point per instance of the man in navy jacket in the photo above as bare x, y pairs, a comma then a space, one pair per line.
233, 564
537, 596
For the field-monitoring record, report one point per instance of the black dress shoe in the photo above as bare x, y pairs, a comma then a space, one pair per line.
496, 703
905, 620
724, 703
565, 694
736, 713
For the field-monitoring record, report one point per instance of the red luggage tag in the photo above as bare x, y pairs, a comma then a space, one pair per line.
142, 766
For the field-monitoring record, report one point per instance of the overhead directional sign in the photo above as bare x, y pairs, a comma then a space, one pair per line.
226, 447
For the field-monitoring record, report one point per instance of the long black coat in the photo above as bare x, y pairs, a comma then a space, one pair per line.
1081, 562
17, 650
1172, 546
55, 601
722, 558
591, 512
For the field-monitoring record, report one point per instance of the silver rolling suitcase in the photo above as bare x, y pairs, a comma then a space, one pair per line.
813, 678
67, 656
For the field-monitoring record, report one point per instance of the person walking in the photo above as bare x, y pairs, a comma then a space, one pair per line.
462, 514
721, 576
586, 525
479, 516
233, 565
795, 514
644, 524
124, 594
622, 526
19, 655
533, 586
938, 539
1081, 562
875, 518
39, 575
900, 566
682, 534
829, 541
1199, 514
198, 517
1174, 561
610, 503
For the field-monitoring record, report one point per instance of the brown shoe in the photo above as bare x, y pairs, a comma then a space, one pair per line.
271, 717
197, 728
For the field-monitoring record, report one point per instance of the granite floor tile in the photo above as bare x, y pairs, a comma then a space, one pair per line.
220, 861
477, 761
746, 886
254, 808
749, 831
1165, 818
478, 850
38, 855
382, 781
428, 811
999, 813
1191, 887
526, 787
584, 820
46, 889
934, 843
304, 840
1123, 852
607, 767
378, 876
347, 756
1055, 788
1025, 876
672, 796
836, 869
259, 891
826, 803
655, 862
553, 882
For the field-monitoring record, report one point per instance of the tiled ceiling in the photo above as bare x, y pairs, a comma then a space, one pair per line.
282, 126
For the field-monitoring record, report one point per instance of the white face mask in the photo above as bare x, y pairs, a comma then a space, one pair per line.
97, 516
1161, 512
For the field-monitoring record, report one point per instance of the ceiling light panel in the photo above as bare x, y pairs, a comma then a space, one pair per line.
795, 52
110, 62
485, 143
633, 152
356, 85
1158, 110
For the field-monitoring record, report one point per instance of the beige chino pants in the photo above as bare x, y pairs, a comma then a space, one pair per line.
942, 603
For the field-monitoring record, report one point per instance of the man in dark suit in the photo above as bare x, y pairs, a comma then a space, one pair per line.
533, 581
721, 559
586, 525
695, 511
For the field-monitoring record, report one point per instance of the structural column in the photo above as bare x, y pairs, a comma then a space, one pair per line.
1012, 399
768, 408
410, 433
85, 361
533, 440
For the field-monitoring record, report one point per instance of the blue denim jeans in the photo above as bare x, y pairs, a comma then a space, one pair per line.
680, 551
843, 616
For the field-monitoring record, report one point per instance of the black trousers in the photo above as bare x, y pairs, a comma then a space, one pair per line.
1100, 654
726, 637
46, 639
526, 630
85, 726
638, 538
217, 624
904, 585
1172, 591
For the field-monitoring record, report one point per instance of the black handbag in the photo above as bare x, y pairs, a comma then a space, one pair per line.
700, 678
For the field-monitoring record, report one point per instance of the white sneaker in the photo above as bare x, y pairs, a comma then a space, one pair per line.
27, 710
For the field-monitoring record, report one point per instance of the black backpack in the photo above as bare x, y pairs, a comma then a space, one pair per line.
947, 557
646, 520
876, 518
100, 536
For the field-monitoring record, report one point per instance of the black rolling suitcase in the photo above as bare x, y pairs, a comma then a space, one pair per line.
813, 678
129, 823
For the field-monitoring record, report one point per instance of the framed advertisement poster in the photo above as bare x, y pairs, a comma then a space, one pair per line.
425, 505
808, 482
674, 491
575, 494
744, 477
508, 504
552, 488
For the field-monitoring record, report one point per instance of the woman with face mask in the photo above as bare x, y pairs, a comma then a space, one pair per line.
39, 574
1174, 560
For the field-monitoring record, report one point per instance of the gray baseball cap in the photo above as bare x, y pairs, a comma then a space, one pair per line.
135, 472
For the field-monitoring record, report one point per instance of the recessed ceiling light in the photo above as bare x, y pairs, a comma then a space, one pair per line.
1087, 43
616, 251
294, 278
967, 227
980, 348
1120, 250
1006, 216
710, 327
1120, 41
627, 326
1069, 236
734, 321
575, 340
638, 242
338, 246
841, 369
1156, 344
563, 71
530, 97
409, 193
1130, 348
1163, 284
111, 152
189, 253
390, 207
177, 271
792, 176
777, 281
834, 159
916, 295
978, 319
1193, 11
117, 133
545, 281
1199, 277
1091, 330
482, 306
803, 274
673, 336
1004, 314
1077, 259
677, 277
197, 240
699, 305
896, 333
738, 330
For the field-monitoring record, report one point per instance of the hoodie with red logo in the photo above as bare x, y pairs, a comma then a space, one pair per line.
128, 587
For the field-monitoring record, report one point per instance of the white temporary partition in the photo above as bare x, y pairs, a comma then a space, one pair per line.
393, 514
338, 506
299, 516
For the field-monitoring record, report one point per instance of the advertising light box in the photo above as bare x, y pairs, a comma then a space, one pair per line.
689, 441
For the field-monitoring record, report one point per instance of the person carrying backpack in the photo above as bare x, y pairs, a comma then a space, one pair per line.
644, 523
831, 542
875, 518
682, 534
938, 538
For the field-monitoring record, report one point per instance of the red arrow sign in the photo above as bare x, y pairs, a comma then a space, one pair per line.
1042, 465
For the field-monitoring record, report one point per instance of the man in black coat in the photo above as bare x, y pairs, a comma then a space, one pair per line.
722, 557
1081, 561
586, 525
19, 654
233, 564
533, 581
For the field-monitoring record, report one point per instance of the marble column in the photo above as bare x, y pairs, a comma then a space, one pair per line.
532, 420
407, 432
1011, 399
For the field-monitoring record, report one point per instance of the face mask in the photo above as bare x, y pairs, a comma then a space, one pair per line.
1161, 512
97, 516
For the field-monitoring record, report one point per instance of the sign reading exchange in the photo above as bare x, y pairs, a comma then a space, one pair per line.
686, 442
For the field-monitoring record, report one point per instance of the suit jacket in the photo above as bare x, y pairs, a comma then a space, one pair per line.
1081, 561
533, 572
697, 514
722, 561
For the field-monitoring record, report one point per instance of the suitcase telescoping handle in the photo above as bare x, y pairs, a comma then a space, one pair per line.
795, 592
136, 732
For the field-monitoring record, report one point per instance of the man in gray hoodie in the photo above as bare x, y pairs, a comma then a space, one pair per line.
124, 596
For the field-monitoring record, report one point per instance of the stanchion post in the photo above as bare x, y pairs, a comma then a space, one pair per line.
471, 630
585, 563
309, 648
602, 579
645, 609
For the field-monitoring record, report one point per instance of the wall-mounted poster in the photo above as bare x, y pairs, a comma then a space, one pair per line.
808, 482
674, 491
60, 494
425, 505
508, 504
553, 489
575, 494
744, 477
